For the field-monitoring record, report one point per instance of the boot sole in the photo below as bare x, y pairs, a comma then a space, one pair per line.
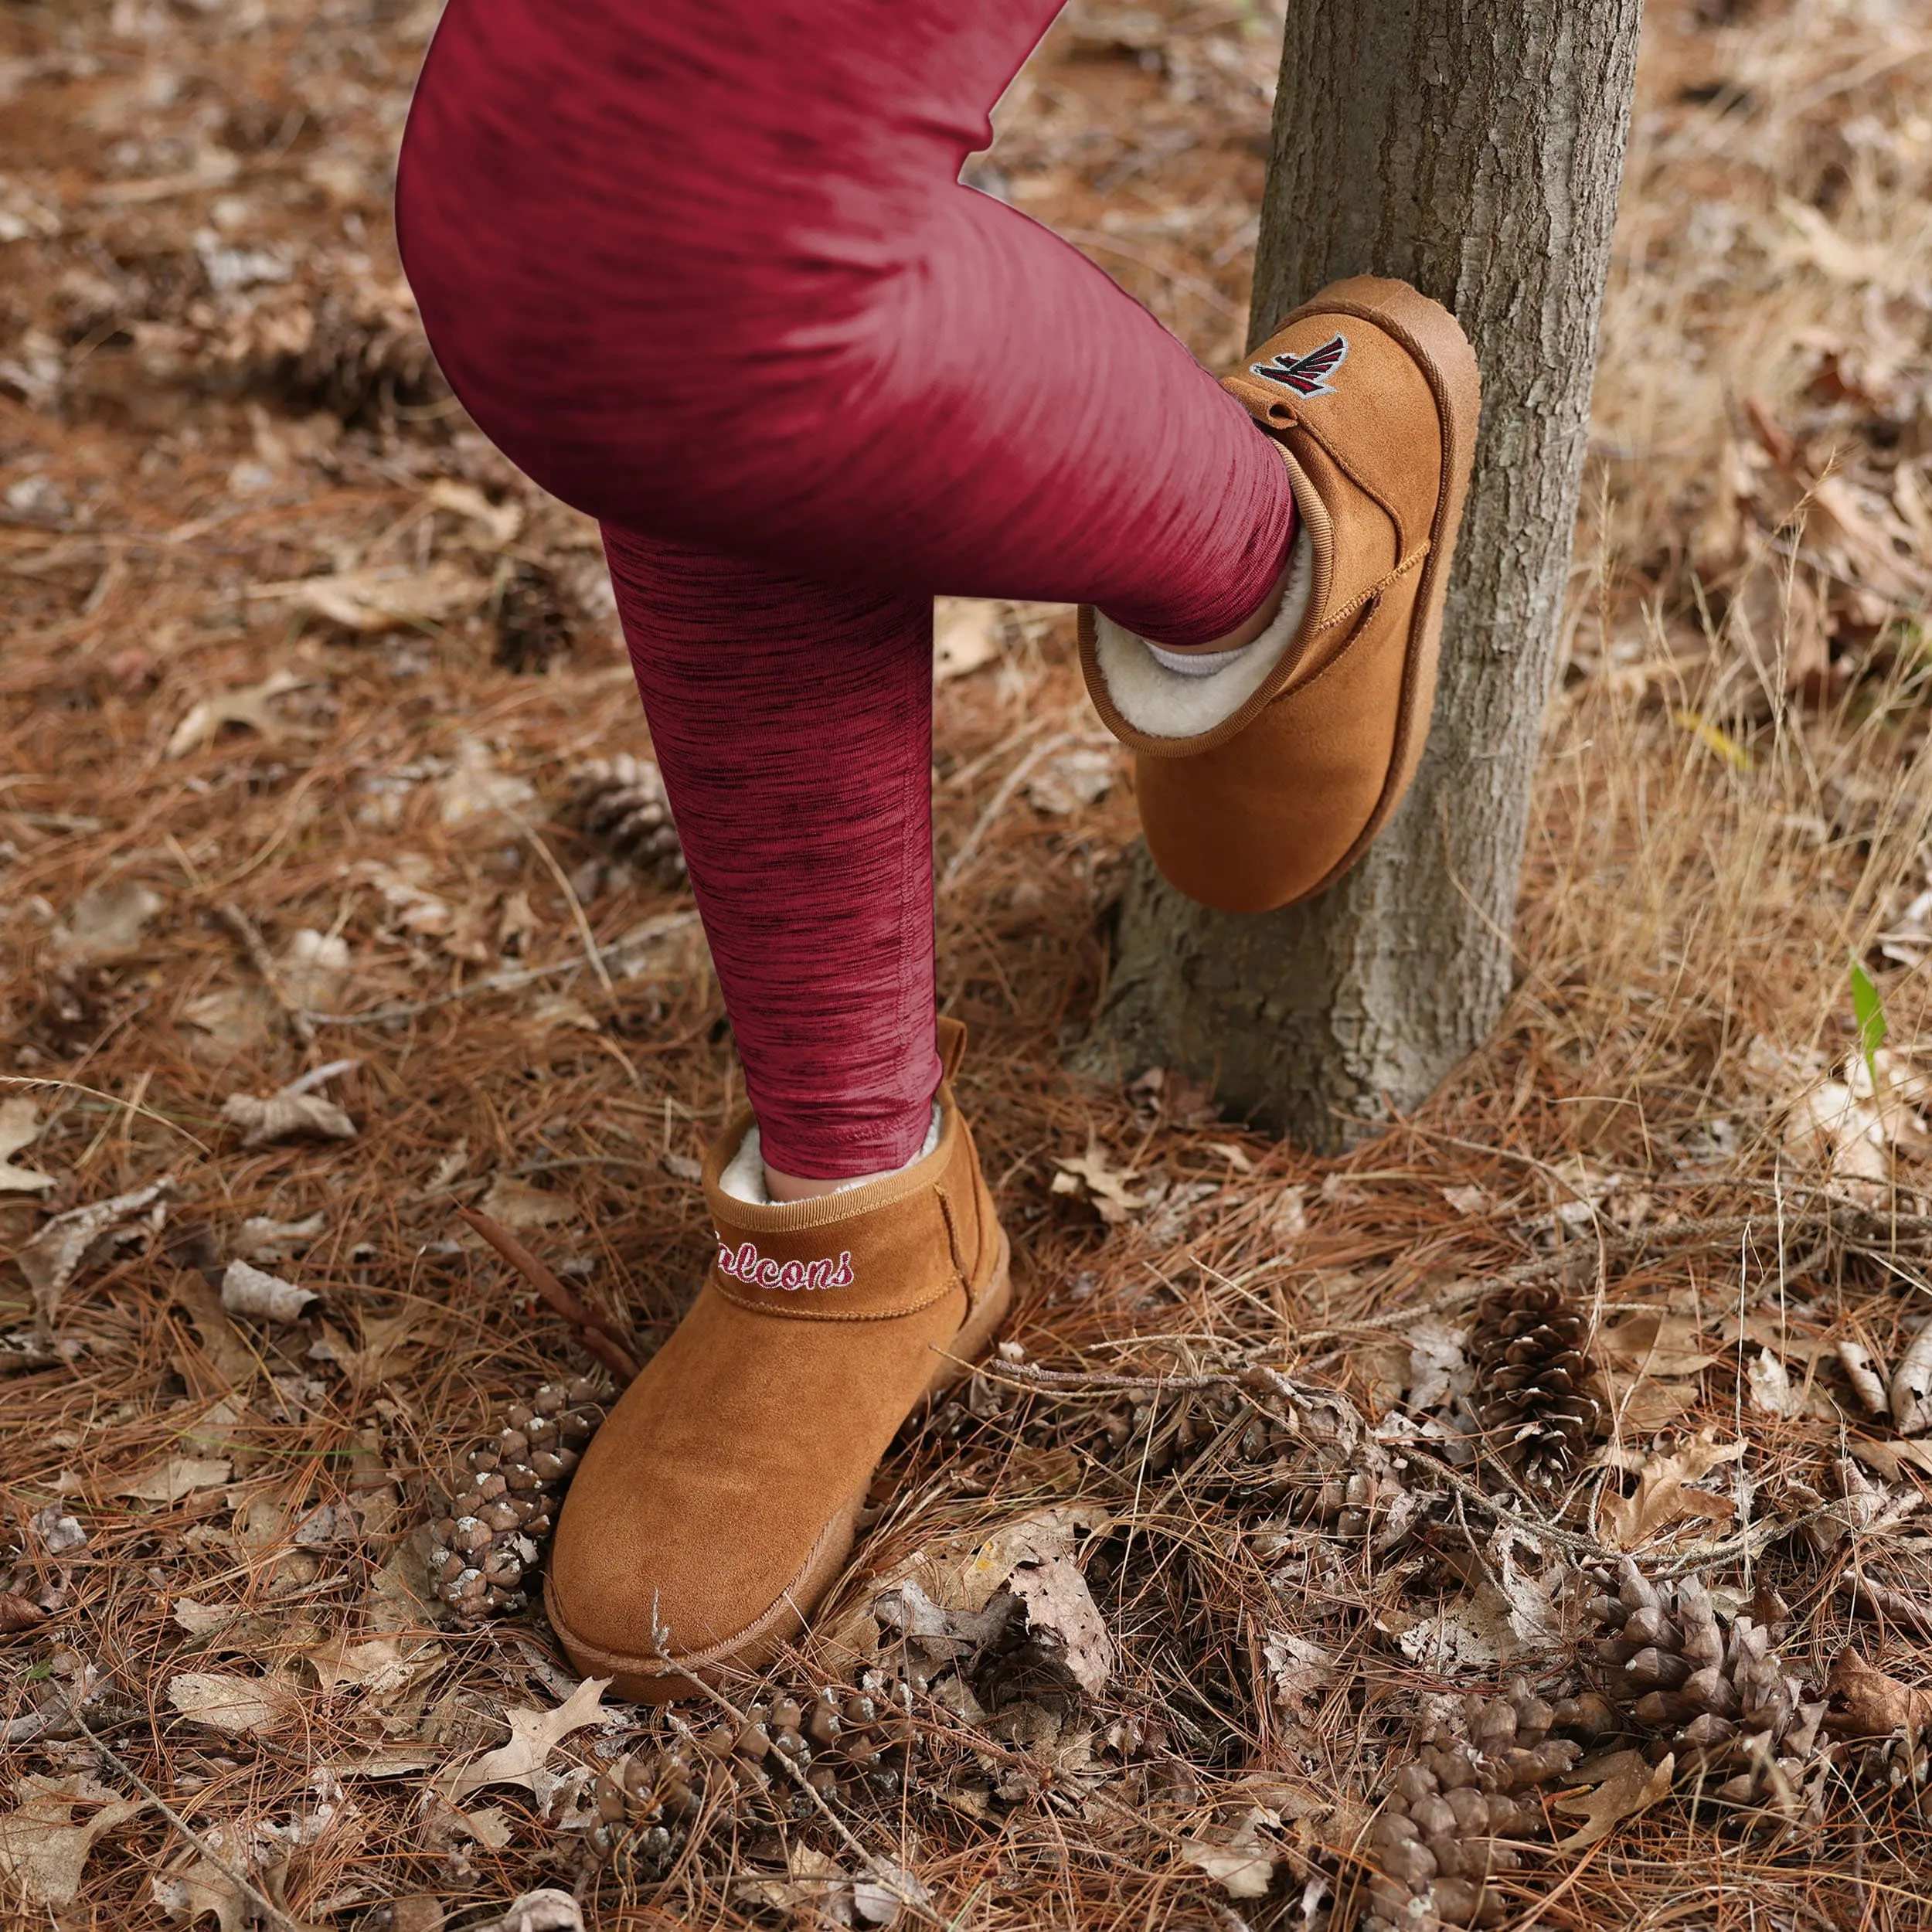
641, 1681
1441, 351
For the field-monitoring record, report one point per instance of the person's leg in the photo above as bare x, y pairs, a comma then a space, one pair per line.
706, 269
793, 723
707, 272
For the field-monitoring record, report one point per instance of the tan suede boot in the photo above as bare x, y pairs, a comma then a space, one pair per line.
718, 1500
1264, 781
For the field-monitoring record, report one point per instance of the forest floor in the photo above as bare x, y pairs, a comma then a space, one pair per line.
300, 684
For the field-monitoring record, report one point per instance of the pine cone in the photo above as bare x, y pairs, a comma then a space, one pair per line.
1739, 1727
850, 1743
489, 1542
1458, 1810
1536, 1388
621, 800
533, 626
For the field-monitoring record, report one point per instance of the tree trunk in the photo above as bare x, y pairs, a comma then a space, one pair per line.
1474, 151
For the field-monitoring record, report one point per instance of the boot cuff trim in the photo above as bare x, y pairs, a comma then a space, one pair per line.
744, 1175
1159, 703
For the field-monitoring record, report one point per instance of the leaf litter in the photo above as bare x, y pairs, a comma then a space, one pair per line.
1106, 1713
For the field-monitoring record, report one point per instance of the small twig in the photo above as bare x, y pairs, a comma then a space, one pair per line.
262, 1903
1079, 1382
1748, 1543
600, 1338
1745, 1546
570, 899
318, 1077
245, 930
1567, 1539
997, 803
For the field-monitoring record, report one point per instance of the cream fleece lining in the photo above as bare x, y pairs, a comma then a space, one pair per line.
1171, 704
743, 1178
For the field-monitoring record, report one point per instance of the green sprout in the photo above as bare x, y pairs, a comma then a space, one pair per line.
1869, 1010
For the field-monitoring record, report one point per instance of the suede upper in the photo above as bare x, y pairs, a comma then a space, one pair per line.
720, 1494
1371, 394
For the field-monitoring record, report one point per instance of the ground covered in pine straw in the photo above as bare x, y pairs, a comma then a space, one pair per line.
1521, 1521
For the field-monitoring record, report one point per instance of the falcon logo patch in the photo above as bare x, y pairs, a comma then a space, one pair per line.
1306, 375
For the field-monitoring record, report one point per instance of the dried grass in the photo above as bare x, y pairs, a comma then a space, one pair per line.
1733, 804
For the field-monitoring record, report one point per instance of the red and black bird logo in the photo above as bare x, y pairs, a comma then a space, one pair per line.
1306, 375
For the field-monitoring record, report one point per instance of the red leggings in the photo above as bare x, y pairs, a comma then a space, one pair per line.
705, 268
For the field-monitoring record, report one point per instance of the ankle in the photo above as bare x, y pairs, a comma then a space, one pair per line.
1244, 633
781, 1187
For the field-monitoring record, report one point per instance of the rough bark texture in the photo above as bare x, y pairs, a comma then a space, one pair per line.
1474, 151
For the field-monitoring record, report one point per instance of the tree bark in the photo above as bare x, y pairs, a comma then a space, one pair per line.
1474, 151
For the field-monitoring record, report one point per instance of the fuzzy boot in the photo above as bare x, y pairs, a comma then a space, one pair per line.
1263, 773
715, 1507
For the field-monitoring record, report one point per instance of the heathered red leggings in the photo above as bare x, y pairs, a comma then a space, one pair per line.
705, 268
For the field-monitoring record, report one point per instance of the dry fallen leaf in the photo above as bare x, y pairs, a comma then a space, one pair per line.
17, 1613
294, 1112
1436, 1373
1868, 1382
379, 1667
1091, 1173
489, 1824
965, 636
1772, 1391
518, 1204
816, 1889
501, 520
248, 705
1300, 1673
42, 1852
262, 1239
403, 886
19, 1127
1061, 1615
1664, 1495
1646, 1406
1850, 1127
1657, 1345
476, 790
1242, 1863
58, 1532
546, 1910
1867, 1703
52, 1259
178, 1476
202, 1888
314, 967
1040, 1538
880, 1898
386, 597
382, 1336
248, 1291
106, 924
1081, 776
1630, 1785
223, 1701
1468, 1633
561, 1010
534, 1735
1911, 1390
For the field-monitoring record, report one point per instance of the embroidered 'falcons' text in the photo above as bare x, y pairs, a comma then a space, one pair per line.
1306, 375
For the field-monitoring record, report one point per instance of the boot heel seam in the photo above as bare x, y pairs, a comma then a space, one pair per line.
960, 1273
